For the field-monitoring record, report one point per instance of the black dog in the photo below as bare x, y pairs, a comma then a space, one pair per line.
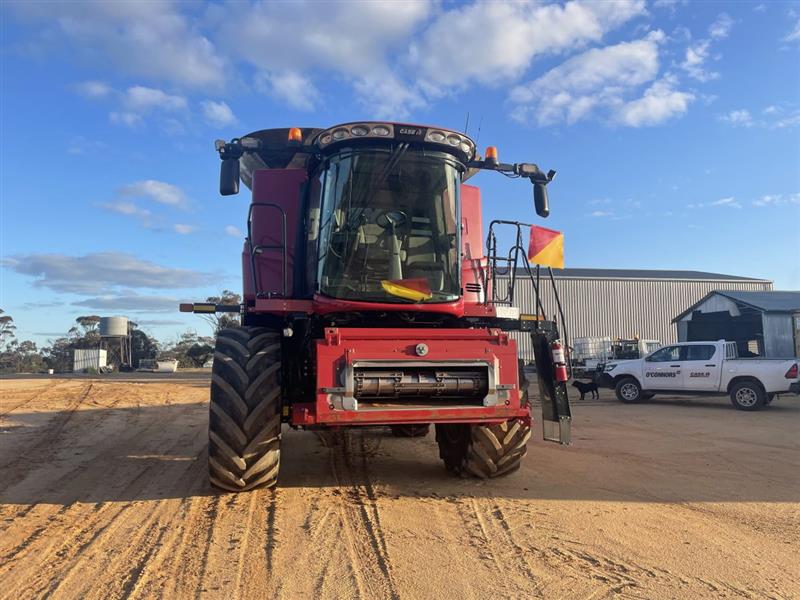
585, 388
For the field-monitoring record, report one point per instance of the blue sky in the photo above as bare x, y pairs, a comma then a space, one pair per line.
674, 127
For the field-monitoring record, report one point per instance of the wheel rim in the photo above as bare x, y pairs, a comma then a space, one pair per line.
629, 391
746, 397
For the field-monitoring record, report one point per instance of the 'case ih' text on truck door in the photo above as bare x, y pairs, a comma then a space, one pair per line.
700, 367
663, 370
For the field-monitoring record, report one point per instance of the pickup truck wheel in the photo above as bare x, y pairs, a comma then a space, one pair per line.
748, 395
628, 390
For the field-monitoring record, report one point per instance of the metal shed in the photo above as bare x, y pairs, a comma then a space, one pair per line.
623, 302
764, 323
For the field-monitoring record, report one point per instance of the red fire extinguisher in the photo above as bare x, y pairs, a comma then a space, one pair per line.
559, 361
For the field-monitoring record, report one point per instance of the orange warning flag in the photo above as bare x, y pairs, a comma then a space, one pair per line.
416, 290
546, 247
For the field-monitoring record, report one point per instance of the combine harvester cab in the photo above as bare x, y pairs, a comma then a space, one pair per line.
371, 299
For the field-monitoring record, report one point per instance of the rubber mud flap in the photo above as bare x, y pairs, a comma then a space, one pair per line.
556, 412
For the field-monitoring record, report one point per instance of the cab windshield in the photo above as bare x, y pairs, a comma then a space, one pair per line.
389, 226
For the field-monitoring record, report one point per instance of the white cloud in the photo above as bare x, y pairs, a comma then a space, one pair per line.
721, 27
93, 89
729, 202
233, 231
384, 96
661, 102
772, 117
738, 118
671, 5
698, 54
694, 62
787, 122
794, 35
351, 38
602, 213
144, 99
159, 191
778, 200
491, 42
603, 79
142, 39
218, 114
131, 303
183, 228
129, 209
125, 118
760, 8
80, 145
290, 87
100, 272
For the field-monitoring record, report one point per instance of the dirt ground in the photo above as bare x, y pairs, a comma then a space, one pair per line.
103, 494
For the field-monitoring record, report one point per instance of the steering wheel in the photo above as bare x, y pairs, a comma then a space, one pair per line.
391, 219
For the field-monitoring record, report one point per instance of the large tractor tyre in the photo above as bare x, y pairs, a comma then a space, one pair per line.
244, 427
628, 390
483, 450
748, 395
410, 430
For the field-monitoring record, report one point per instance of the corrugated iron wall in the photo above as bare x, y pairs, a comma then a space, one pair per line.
620, 307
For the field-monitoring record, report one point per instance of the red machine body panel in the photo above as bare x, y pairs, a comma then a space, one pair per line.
474, 264
343, 350
281, 187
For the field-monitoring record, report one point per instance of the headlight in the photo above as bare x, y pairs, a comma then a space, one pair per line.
610, 367
359, 130
380, 130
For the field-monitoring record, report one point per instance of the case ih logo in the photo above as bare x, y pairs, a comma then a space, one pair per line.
699, 374
413, 131
660, 375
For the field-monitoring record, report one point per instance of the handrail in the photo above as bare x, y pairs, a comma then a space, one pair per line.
255, 249
512, 262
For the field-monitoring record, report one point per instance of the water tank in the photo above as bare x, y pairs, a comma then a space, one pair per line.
113, 326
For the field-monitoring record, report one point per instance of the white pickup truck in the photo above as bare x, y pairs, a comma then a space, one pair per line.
697, 368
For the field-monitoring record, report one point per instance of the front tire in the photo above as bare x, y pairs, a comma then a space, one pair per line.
628, 390
748, 395
244, 427
483, 450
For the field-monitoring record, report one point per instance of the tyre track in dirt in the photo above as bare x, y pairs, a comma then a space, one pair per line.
361, 519
49, 436
98, 437
36, 396
100, 525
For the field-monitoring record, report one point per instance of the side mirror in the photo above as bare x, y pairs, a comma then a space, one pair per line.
229, 177
540, 201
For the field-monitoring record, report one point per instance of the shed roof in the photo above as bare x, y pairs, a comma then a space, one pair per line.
765, 301
579, 273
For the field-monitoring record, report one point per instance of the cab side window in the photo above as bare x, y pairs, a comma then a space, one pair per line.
670, 353
699, 352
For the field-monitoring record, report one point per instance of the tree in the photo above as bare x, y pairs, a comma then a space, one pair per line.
7, 329
190, 350
142, 346
222, 320
88, 323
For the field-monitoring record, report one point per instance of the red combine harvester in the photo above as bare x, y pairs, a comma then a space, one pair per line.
369, 301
